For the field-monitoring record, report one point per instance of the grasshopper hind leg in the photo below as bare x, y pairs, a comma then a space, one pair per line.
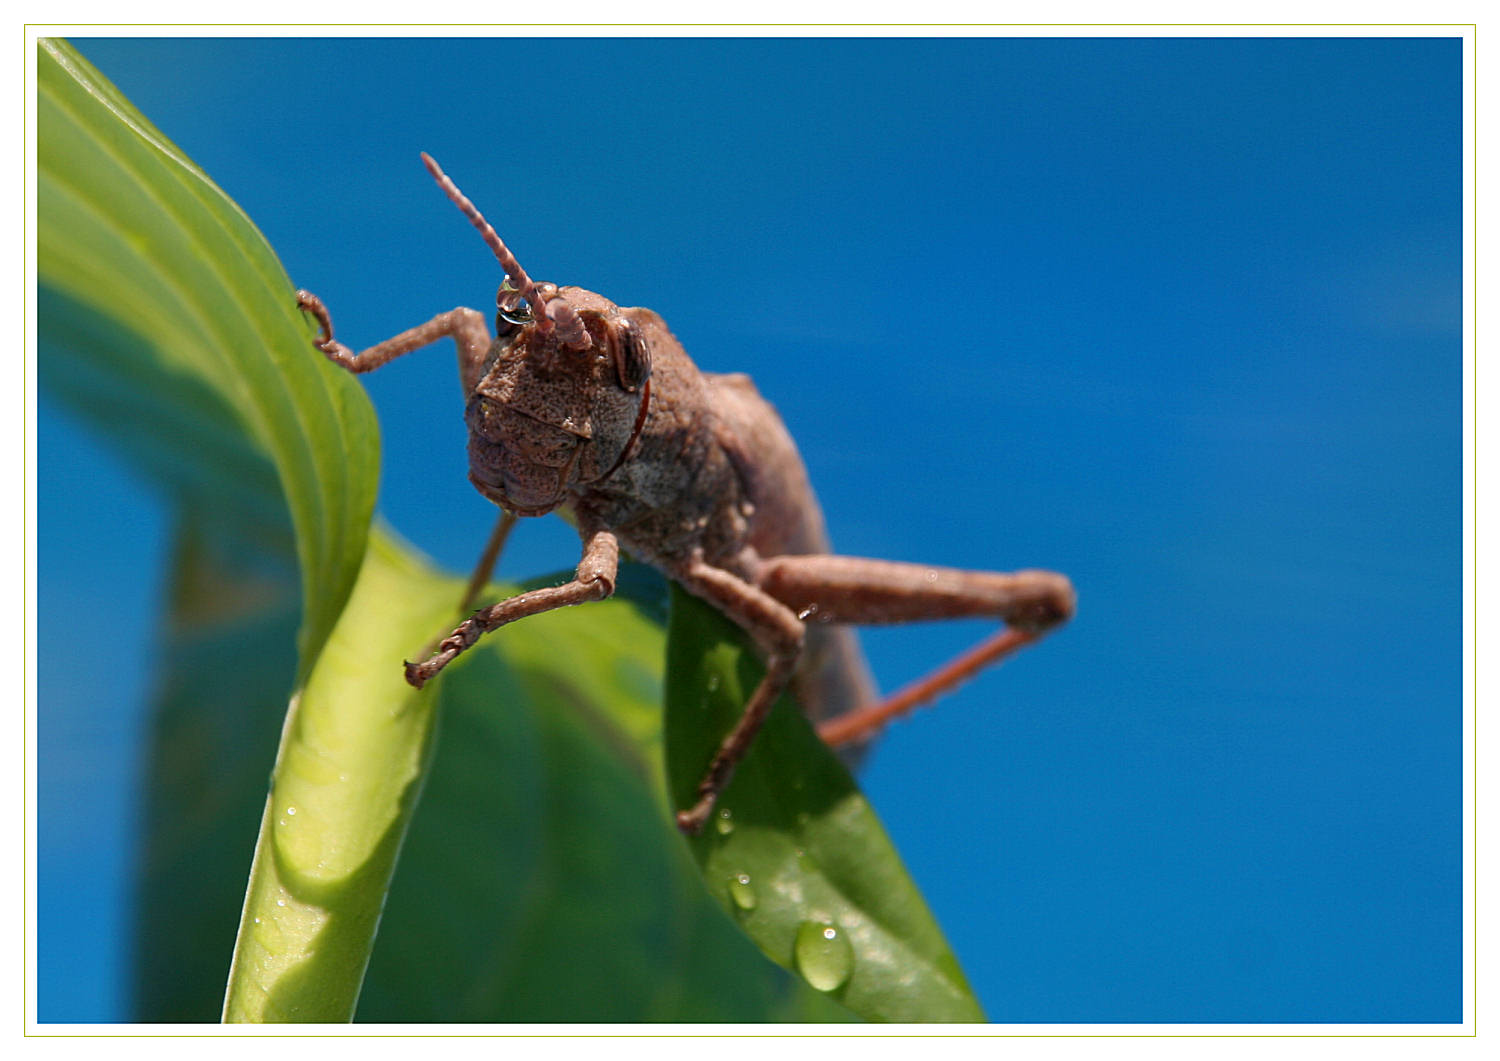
846, 589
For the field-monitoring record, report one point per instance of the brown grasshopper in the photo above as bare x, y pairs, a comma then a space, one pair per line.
580, 404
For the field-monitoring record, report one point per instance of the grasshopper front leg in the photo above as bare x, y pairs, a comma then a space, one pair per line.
594, 580
466, 326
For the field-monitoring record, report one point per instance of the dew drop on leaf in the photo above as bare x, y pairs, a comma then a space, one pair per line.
742, 892
823, 954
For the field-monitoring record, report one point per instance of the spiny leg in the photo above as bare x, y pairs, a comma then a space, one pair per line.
466, 326
594, 580
778, 633
846, 589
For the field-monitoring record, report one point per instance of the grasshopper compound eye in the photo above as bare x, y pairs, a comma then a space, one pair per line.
511, 310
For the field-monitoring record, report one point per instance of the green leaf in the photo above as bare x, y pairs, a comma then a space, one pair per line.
353, 756
170, 322
190, 331
795, 854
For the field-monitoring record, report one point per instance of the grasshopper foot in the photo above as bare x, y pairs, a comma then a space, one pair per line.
690, 822
419, 674
336, 351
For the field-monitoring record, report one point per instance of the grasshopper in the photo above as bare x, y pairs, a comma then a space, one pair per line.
582, 405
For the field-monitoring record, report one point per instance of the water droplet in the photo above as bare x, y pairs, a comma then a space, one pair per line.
291, 811
823, 955
713, 683
811, 609
724, 822
280, 902
741, 891
932, 576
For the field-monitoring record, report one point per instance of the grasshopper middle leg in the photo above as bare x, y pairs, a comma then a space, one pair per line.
778, 633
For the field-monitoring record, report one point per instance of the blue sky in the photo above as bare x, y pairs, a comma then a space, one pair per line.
1180, 318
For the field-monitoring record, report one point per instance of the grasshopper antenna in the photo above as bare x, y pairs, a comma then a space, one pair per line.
570, 329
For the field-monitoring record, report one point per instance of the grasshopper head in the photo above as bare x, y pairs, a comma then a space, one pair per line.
549, 417
566, 386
